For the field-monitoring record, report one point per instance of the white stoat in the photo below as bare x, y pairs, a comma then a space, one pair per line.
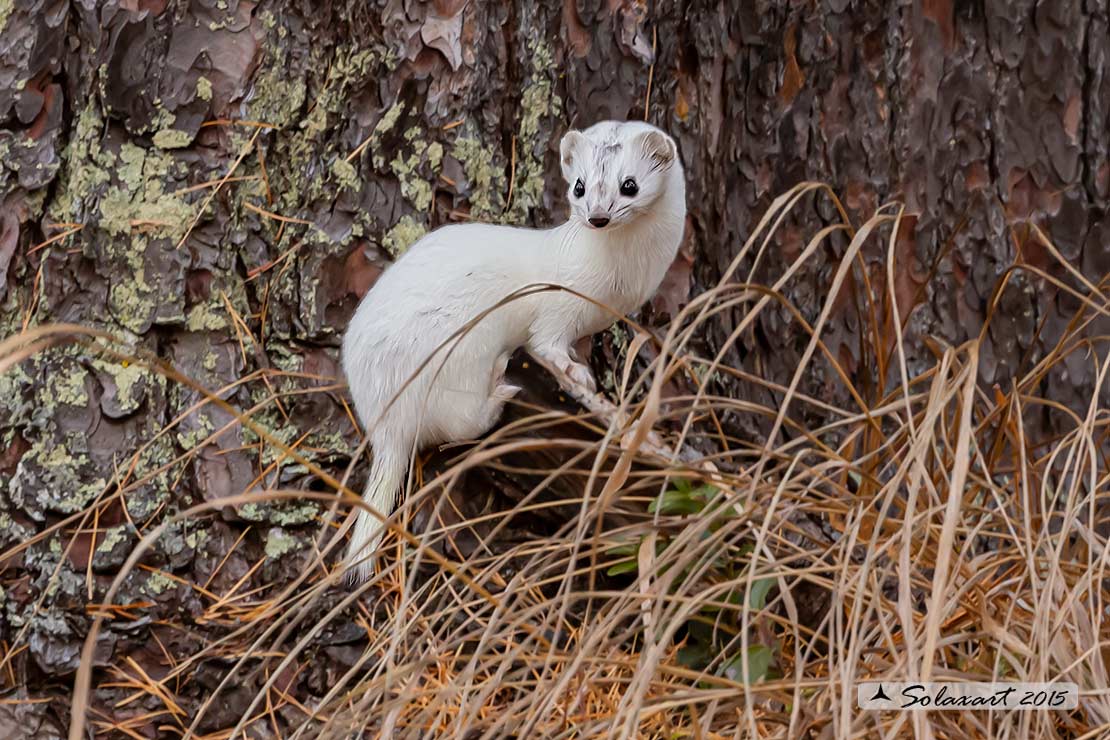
628, 210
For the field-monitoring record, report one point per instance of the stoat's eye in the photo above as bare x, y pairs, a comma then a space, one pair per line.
629, 187
579, 189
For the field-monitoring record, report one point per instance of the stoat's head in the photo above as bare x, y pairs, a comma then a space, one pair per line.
616, 172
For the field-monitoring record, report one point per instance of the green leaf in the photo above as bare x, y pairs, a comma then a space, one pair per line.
759, 659
760, 589
630, 549
683, 485
694, 657
684, 498
706, 492
625, 566
676, 502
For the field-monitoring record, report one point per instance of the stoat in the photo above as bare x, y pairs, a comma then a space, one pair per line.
628, 208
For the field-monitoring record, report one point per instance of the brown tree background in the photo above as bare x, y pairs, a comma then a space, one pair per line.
218, 182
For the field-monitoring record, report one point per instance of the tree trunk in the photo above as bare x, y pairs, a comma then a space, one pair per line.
217, 183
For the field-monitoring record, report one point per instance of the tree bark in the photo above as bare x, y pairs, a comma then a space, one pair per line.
217, 183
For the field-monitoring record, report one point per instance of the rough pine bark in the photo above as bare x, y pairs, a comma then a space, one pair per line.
216, 182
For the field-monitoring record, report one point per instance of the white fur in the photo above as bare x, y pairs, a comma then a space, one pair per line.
453, 274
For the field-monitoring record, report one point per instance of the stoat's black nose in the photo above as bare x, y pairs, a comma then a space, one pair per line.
599, 221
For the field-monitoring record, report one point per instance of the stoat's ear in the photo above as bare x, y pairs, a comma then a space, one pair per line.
571, 148
659, 148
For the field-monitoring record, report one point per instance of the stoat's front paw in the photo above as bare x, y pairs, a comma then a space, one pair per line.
505, 392
582, 376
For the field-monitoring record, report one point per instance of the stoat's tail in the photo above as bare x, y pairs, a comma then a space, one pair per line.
387, 473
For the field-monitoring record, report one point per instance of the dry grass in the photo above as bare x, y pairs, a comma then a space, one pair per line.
925, 531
